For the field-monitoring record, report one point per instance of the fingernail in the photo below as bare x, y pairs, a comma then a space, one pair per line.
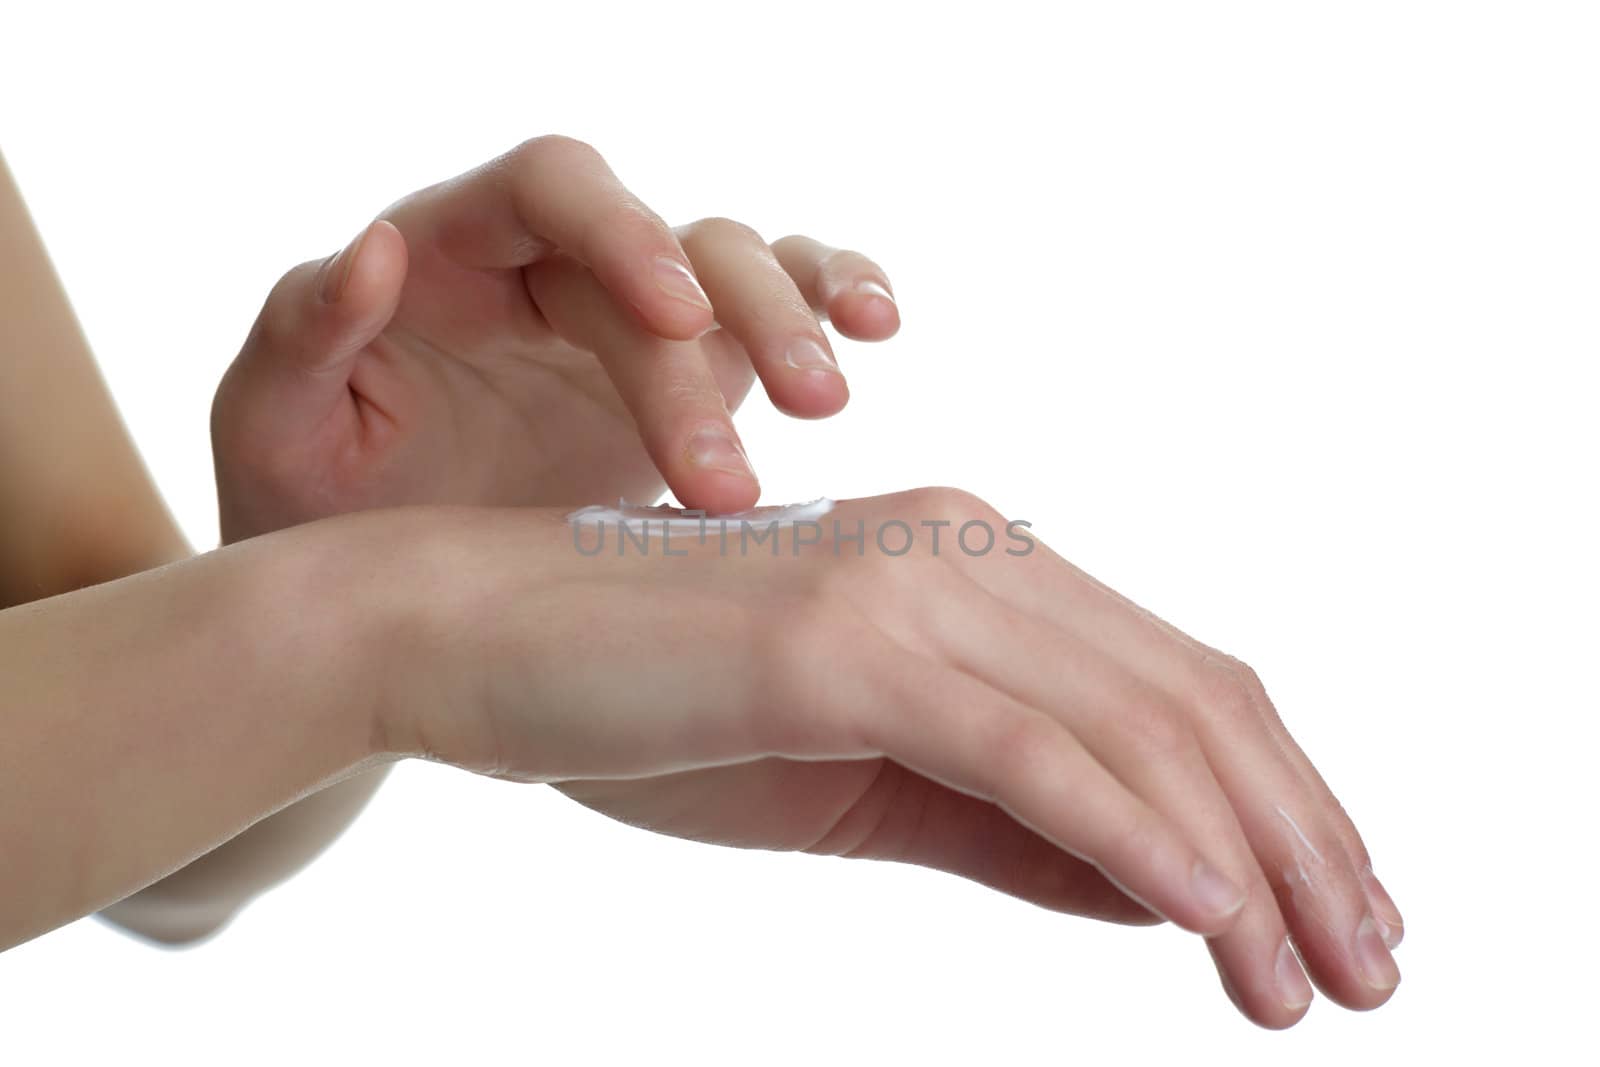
868, 287
1390, 923
716, 450
337, 273
1293, 987
1214, 892
1391, 934
1372, 956
806, 354
678, 282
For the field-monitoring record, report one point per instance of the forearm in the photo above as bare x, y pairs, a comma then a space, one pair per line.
152, 718
202, 897
79, 506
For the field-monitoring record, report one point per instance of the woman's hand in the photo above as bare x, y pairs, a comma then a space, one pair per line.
529, 333
997, 714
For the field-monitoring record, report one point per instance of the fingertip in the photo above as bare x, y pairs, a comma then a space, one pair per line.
714, 473
387, 235
811, 394
865, 312
1268, 1017
1273, 1000
377, 272
717, 492
371, 294
1278, 1020
1390, 923
355, 295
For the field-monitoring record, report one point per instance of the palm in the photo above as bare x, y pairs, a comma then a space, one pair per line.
471, 398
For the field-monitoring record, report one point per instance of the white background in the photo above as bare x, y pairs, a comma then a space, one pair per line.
1281, 318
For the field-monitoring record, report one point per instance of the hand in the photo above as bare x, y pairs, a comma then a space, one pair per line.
1003, 717
529, 333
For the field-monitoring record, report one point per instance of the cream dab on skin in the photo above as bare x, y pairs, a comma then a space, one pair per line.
643, 518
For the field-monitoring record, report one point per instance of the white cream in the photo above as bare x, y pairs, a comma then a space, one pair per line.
1304, 840
1307, 877
643, 519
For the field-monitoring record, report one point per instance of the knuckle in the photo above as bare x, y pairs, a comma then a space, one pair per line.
553, 147
1016, 745
1139, 835
838, 261
686, 397
1247, 675
621, 224
1214, 656
1159, 731
1222, 692
1242, 671
949, 504
721, 229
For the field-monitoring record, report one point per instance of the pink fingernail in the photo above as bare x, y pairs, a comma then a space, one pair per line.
337, 273
1390, 923
868, 287
1293, 987
1213, 891
678, 282
1378, 968
804, 353
716, 450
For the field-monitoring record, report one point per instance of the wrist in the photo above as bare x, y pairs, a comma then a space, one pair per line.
198, 700
330, 610
438, 608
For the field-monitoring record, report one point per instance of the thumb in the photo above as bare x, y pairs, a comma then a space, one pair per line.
321, 314
270, 425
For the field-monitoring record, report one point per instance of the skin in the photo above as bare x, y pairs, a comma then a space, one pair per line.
1007, 719
488, 341
68, 470
503, 339
151, 718
1002, 717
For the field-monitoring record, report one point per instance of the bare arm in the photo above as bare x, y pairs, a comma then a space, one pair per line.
1042, 734
149, 719
81, 509
79, 506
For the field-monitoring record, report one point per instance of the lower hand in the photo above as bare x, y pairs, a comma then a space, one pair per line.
1002, 717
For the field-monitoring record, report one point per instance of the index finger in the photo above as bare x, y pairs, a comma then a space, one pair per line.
552, 193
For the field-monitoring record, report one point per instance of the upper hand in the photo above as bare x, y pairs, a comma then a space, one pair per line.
529, 333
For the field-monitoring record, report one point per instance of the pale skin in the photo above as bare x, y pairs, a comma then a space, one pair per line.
490, 352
